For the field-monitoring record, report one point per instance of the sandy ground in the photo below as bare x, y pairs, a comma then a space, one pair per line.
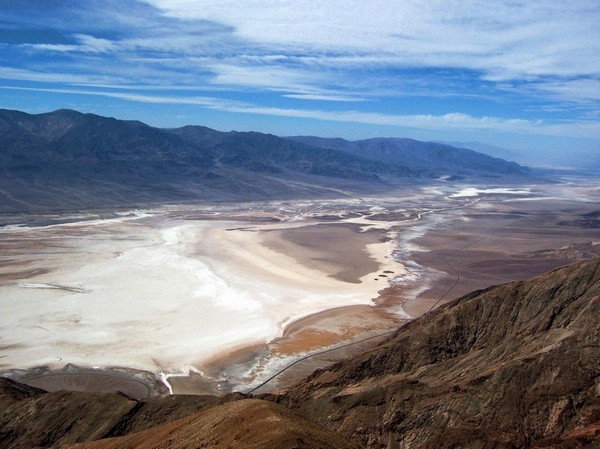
216, 299
503, 241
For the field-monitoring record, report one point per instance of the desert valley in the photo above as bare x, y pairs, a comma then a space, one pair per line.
183, 314
299, 224
213, 298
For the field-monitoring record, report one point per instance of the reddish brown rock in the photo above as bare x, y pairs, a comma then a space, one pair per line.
516, 365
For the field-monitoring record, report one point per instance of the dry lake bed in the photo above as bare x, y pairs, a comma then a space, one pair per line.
211, 298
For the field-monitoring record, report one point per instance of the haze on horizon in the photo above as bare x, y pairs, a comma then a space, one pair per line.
524, 76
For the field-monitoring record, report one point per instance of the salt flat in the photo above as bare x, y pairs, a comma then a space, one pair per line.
159, 293
229, 294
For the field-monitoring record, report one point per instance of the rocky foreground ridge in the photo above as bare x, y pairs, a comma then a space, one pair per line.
516, 365
512, 366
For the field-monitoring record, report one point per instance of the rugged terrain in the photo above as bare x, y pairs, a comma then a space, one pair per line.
420, 155
33, 418
66, 160
512, 366
516, 365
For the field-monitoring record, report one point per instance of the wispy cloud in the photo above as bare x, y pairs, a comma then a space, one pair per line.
318, 97
450, 121
296, 45
585, 90
85, 44
507, 40
528, 67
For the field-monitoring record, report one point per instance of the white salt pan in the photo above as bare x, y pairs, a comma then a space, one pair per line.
161, 297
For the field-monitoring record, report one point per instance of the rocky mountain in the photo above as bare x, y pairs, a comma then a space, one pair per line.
512, 366
433, 156
66, 160
30, 418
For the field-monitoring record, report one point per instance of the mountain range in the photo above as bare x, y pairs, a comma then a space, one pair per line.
570, 158
512, 366
67, 160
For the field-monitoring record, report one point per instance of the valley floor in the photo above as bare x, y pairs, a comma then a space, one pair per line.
216, 298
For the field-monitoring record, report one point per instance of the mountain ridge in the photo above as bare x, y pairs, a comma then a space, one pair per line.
430, 155
515, 365
66, 160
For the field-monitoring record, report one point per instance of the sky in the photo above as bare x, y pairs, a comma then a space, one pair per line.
523, 75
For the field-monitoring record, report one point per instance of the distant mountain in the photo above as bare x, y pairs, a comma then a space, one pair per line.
432, 156
569, 158
513, 366
66, 160
490, 150
267, 153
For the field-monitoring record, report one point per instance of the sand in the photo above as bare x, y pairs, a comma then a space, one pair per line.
337, 249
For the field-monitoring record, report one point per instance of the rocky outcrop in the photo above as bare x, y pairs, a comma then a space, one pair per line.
516, 365
244, 424
30, 417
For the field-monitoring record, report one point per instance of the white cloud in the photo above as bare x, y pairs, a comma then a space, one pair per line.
13, 73
86, 44
502, 39
208, 102
95, 45
322, 97
451, 121
583, 90
343, 48
272, 77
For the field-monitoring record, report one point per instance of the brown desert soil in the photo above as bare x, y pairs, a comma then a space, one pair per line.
512, 241
245, 424
331, 327
337, 249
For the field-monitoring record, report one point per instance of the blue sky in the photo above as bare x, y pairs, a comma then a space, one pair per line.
514, 74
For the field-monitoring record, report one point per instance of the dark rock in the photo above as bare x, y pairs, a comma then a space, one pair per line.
66, 160
516, 365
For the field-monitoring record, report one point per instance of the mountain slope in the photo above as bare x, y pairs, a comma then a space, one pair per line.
268, 153
245, 424
432, 156
66, 160
516, 365
30, 417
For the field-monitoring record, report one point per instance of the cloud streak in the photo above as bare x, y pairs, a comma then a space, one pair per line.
529, 67
448, 121
507, 40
